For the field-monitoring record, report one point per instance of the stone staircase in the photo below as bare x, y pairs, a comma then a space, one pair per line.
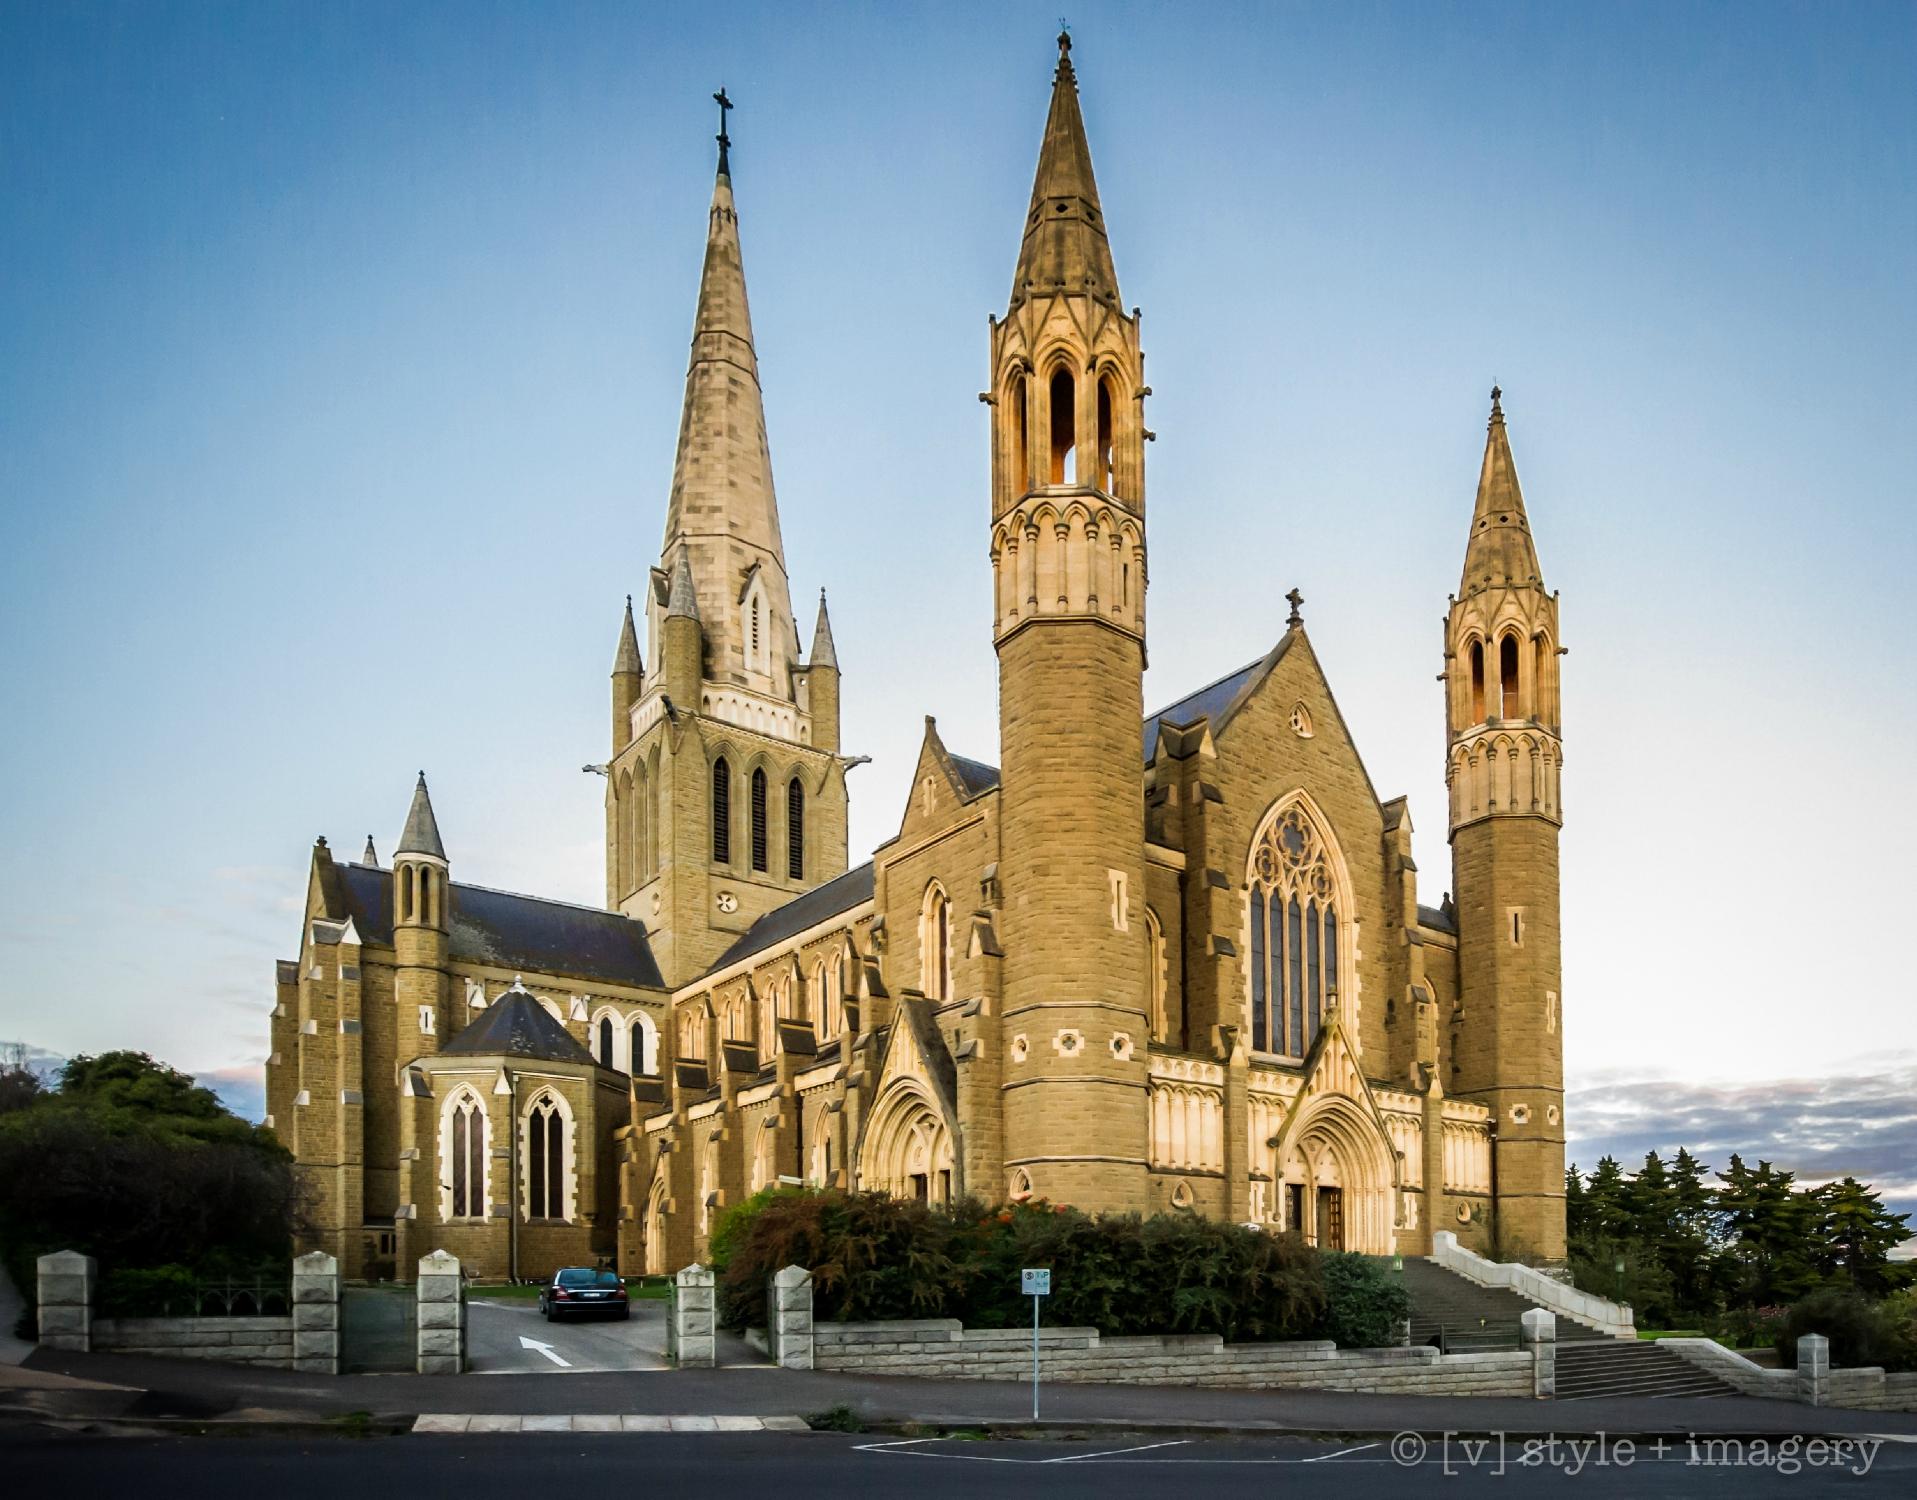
1620, 1367
1463, 1317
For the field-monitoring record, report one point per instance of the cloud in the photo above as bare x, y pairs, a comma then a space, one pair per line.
1855, 1123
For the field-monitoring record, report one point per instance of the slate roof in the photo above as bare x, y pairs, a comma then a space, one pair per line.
1207, 703
517, 1025
782, 922
526, 933
977, 776
1438, 919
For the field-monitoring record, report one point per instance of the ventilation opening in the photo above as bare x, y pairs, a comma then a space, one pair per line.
1508, 676
1064, 429
1021, 437
759, 850
1105, 467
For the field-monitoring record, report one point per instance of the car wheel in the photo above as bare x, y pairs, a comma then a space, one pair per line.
625, 1314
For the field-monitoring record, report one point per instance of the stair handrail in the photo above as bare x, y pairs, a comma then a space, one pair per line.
1614, 1318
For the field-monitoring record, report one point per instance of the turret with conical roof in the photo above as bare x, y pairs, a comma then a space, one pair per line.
1068, 556
822, 682
628, 680
422, 919
1504, 757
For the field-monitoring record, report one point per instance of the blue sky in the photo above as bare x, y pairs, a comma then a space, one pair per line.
340, 363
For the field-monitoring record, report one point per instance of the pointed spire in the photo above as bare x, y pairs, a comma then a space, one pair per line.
723, 509
1065, 247
1500, 553
684, 597
421, 834
371, 856
822, 653
626, 661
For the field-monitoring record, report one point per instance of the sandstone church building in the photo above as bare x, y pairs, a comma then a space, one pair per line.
1148, 962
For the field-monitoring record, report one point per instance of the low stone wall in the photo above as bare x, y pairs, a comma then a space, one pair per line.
941, 1349
1813, 1382
240, 1341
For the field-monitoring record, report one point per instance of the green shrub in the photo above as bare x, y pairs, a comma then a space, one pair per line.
1861, 1332
1366, 1303
876, 1257
1747, 1327
158, 1292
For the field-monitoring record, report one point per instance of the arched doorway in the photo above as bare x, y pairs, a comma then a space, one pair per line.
1337, 1178
908, 1149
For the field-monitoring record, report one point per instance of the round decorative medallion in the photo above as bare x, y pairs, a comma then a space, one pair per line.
727, 902
1464, 1213
1069, 1043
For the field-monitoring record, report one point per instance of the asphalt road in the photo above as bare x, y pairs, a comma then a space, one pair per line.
835, 1465
498, 1333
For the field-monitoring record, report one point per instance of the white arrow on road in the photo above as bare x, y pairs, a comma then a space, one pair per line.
545, 1349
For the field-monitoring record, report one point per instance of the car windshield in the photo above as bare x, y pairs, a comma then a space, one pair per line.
581, 1277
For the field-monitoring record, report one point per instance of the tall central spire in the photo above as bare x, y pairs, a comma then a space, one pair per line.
723, 515
1065, 248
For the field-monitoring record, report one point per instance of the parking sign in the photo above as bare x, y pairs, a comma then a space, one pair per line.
1036, 1283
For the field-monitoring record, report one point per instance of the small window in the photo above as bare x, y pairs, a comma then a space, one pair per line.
1508, 677
605, 1041
1477, 682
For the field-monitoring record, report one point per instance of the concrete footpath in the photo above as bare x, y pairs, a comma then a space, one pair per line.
111, 1389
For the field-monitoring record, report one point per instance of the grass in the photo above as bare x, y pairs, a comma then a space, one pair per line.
839, 1418
1670, 1333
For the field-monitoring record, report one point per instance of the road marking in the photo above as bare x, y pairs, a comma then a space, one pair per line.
1321, 1458
1076, 1458
545, 1349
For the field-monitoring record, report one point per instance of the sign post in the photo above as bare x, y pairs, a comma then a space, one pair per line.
1035, 1284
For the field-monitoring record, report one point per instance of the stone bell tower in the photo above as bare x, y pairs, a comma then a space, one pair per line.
1068, 560
1503, 727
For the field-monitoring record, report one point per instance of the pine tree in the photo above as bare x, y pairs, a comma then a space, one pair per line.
1858, 1235
1772, 1229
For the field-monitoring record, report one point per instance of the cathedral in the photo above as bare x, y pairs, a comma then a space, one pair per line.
1149, 962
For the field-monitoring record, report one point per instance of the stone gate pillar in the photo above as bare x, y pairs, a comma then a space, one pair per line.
789, 1317
442, 1315
1813, 1370
690, 1337
316, 1314
1538, 1332
65, 1294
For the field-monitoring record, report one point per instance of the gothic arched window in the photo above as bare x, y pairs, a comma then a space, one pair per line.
794, 830
1295, 934
545, 1160
935, 945
466, 1155
1107, 466
1064, 428
605, 1042
1477, 682
721, 812
1508, 707
760, 855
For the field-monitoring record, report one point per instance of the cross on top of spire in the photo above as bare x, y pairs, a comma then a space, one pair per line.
1064, 48
725, 141
1296, 600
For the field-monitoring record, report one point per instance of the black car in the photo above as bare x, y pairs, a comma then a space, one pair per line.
578, 1291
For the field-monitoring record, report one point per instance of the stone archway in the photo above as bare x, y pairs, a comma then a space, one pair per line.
908, 1147
1337, 1180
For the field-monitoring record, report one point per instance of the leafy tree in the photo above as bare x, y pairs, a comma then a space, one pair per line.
132, 1162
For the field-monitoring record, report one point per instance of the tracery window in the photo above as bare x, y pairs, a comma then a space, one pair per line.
1295, 934
545, 1160
468, 1159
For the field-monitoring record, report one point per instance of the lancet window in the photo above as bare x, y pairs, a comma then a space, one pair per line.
1297, 933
